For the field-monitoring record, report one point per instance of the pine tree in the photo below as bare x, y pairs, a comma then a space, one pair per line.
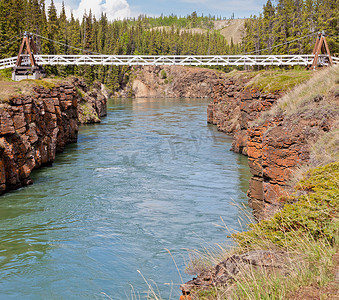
268, 23
53, 29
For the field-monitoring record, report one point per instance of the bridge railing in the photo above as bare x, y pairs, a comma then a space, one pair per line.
147, 60
194, 60
7, 63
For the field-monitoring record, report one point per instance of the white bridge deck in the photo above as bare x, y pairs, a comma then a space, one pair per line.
169, 60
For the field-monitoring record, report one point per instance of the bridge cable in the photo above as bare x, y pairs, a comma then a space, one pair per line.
282, 44
10, 42
60, 43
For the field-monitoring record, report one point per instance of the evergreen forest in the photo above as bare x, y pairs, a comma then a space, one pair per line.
291, 26
286, 27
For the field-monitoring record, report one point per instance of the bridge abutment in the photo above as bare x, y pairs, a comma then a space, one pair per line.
27, 75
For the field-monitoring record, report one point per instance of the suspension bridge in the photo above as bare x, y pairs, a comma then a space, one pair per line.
28, 64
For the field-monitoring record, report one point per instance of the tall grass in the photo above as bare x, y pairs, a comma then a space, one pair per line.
310, 95
308, 262
320, 85
305, 234
279, 80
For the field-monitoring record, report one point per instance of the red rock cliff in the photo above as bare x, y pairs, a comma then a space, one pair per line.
275, 142
171, 82
33, 129
234, 106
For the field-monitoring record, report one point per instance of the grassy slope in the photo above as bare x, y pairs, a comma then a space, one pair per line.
275, 80
230, 29
307, 227
10, 89
306, 231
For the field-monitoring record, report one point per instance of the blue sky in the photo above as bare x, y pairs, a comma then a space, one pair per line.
131, 8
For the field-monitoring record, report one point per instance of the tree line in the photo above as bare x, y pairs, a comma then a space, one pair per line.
290, 27
279, 29
101, 36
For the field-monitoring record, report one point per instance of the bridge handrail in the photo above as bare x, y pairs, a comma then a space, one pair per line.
196, 60
224, 60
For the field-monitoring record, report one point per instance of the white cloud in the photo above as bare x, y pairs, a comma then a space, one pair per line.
229, 5
114, 9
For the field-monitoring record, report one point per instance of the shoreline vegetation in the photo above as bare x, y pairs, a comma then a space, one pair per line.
294, 254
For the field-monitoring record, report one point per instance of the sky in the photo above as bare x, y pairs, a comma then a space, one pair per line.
119, 9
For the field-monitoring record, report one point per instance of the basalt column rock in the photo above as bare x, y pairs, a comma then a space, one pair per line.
279, 145
275, 142
235, 105
33, 129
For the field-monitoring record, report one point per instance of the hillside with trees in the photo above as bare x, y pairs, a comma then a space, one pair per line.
101, 36
279, 29
290, 27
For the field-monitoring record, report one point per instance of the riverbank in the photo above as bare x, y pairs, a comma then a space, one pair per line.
278, 133
38, 119
141, 181
170, 82
287, 138
276, 126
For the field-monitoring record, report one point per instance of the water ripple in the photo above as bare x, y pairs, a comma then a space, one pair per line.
152, 176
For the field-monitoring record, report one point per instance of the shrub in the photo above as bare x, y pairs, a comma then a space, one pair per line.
163, 74
313, 212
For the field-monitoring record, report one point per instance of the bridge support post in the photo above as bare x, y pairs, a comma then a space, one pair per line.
321, 46
26, 66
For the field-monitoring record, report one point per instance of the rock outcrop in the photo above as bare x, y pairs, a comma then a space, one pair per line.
227, 271
34, 127
279, 144
276, 143
92, 104
235, 106
171, 82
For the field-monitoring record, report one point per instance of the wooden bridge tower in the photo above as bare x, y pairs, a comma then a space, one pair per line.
26, 66
320, 47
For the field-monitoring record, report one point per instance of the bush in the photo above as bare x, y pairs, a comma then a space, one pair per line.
313, 212
163, 74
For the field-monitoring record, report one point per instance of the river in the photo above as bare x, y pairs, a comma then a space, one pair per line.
152, 176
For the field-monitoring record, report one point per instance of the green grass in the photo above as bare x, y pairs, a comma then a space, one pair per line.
322, 83
279, 80
313, 212
313, 96
314, 267
305, 230
87, 112
6, 75
80, 92
47, 84
10, 89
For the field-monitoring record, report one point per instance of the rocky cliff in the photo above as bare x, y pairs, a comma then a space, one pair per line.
92, 103
277, 133
34, 126
171, 82
292, 142
235, 105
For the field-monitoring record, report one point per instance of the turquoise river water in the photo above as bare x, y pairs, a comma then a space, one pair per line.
152, 176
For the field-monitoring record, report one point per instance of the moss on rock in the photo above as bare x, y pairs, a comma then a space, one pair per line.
312, 210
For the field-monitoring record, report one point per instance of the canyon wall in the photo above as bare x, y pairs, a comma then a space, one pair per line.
171, 82
92, 103
34, 127
275, 141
